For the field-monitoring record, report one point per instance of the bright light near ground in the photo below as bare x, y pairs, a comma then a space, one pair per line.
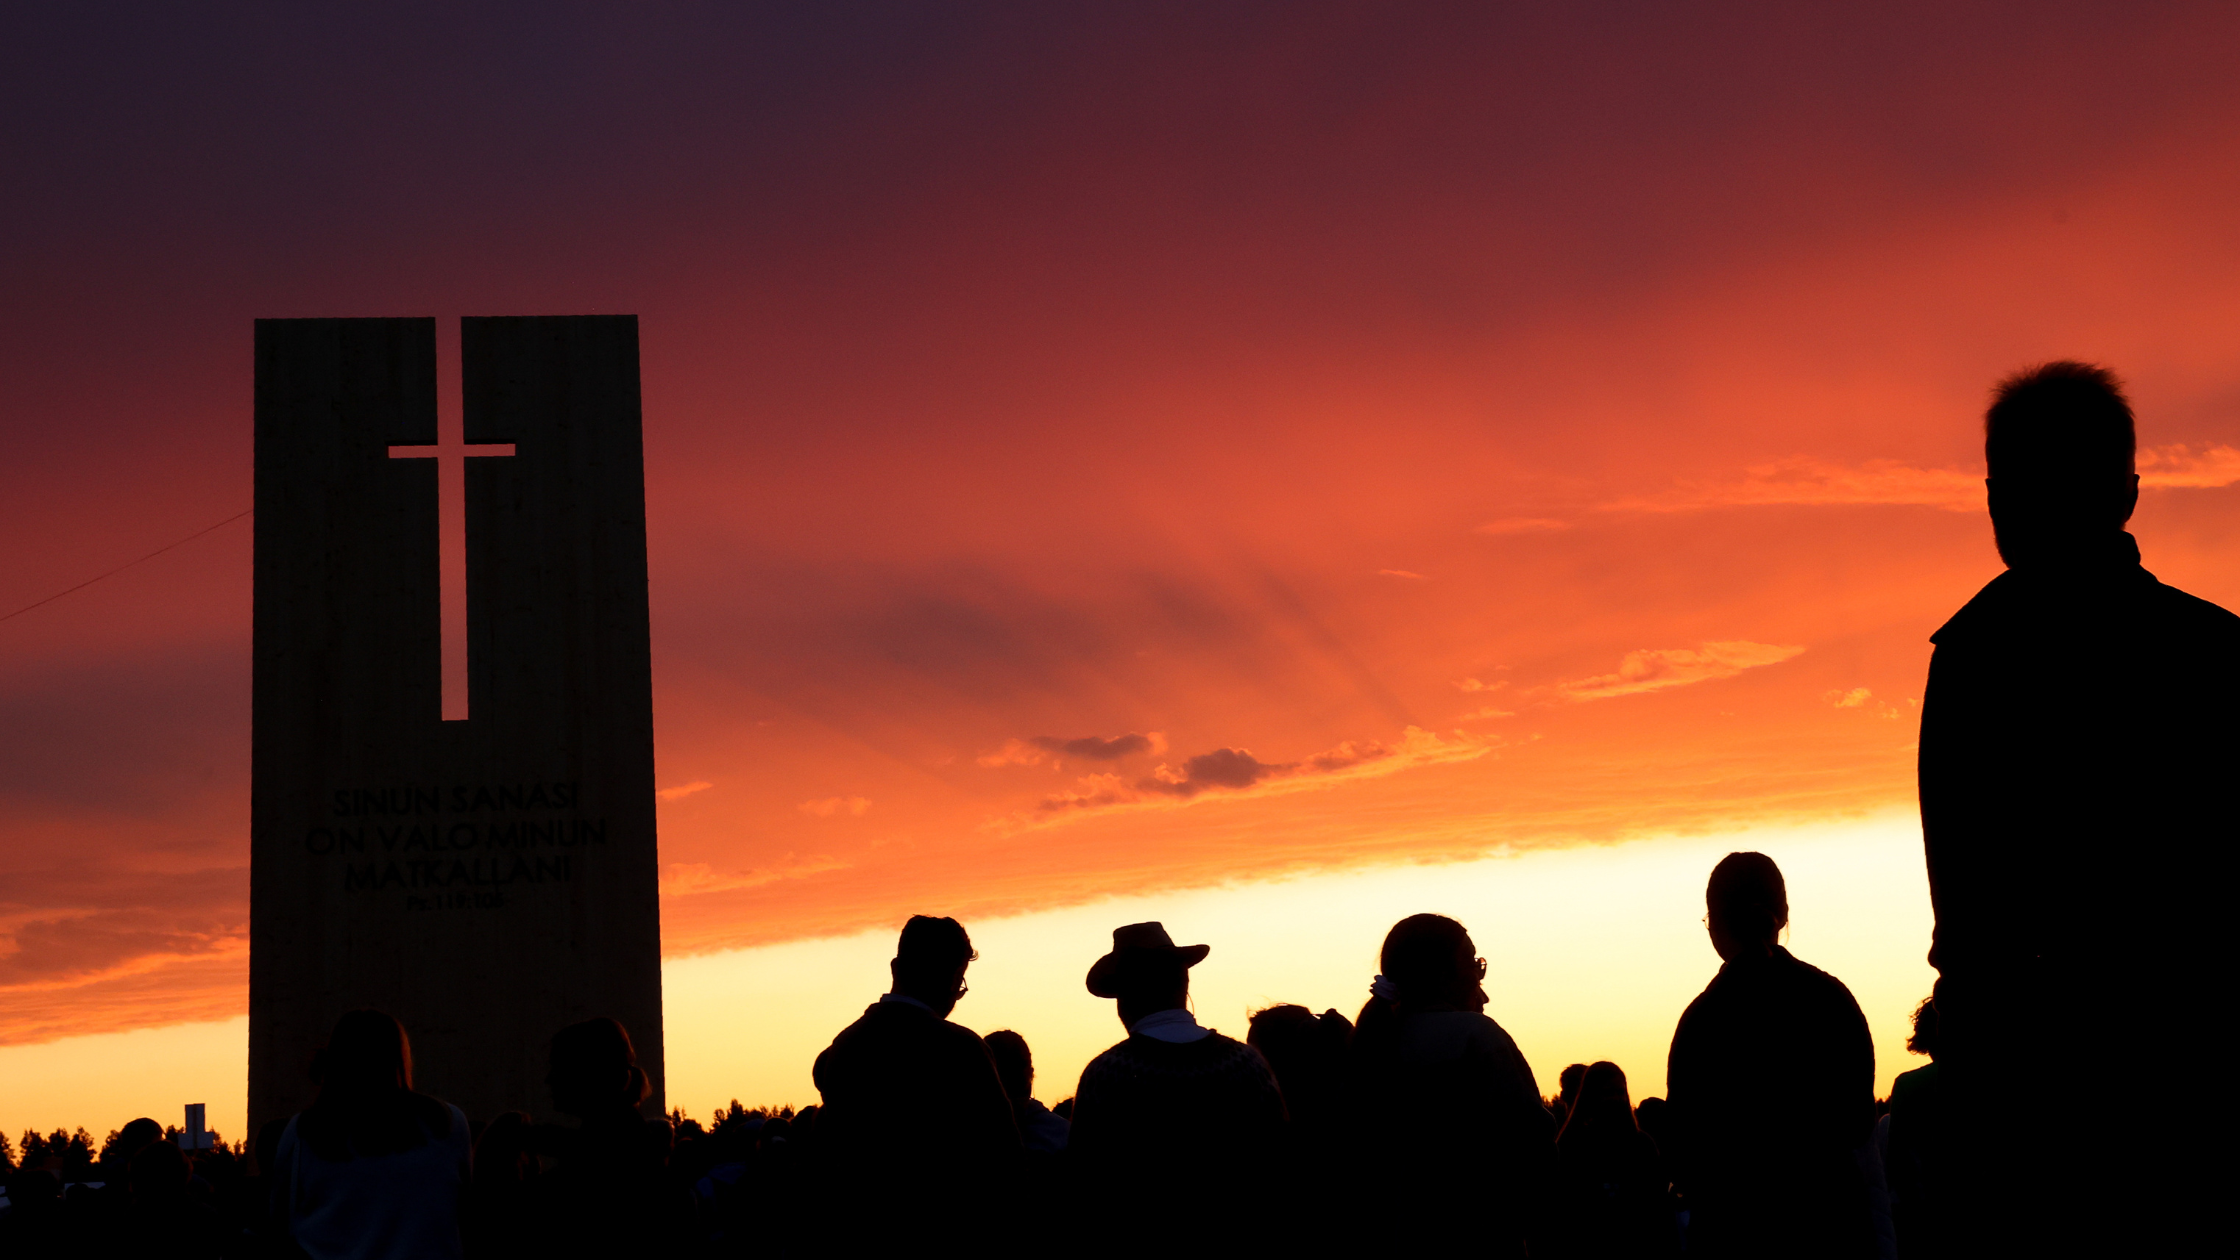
1593, 953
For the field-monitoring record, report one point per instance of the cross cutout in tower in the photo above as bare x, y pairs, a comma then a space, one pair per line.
451, 453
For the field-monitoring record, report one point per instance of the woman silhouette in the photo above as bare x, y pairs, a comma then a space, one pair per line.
372, 1168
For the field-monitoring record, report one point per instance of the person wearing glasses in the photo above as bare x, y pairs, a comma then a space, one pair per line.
914, 1113
1449, 1108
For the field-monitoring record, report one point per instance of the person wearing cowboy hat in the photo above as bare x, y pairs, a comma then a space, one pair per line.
1175, 1094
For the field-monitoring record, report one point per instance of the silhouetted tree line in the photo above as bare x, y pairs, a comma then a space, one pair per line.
134, 1194
73, 1154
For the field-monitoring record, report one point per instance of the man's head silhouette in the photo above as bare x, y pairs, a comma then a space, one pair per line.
929, 962
1146, 972
1748, 905
133, 1138
2059, 447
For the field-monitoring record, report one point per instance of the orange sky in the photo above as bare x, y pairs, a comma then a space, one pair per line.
1408, 436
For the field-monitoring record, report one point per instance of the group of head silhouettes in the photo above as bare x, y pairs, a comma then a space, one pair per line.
375, 1167
2080, 738
1422, 1105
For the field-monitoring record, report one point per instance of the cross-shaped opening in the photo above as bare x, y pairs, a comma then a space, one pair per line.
451, 453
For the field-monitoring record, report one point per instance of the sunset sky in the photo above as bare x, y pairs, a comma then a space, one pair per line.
1270, 468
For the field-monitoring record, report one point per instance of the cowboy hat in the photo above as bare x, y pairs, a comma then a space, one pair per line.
1135, 943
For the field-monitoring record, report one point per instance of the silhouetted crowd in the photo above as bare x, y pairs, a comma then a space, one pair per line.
1420, 1115
2080, 738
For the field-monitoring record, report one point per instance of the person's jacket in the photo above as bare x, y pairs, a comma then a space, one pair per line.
2080, 742
903, 1084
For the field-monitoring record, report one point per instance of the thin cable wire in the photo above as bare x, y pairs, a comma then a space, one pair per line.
126, 565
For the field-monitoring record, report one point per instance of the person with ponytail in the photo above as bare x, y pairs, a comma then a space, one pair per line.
609, 1192
1770, 1088
1451, 1115
372, 1169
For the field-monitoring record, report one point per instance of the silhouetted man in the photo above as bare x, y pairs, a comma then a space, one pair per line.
1173, 1100
2078, 749
914, 1114
1770, 1088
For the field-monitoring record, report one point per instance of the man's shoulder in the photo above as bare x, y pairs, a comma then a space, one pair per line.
1821, 981
1746, 984
1693, 1015
1219, 1056
1139, 1054
1112, 1063
952, 1035
1230, 1053
1730, 983
1823, 992
874, 1028
2195, 613
891, 1036
1221, 1042
865, 1025
2014, 601
900, 1023
1985, 609
1215, 1046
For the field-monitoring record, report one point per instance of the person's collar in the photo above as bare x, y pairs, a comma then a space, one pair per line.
905, 1000
1746, 959
1177, 1026
2093, 556
2064, 577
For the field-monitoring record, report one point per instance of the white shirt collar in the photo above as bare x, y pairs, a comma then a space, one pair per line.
1178, 1026
906, 998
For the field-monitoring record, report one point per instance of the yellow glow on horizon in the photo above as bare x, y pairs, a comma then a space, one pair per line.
105, 1080
1593, 952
